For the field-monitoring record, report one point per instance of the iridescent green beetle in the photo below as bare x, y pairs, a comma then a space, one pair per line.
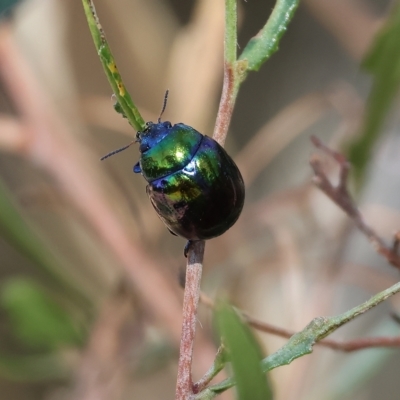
194, 185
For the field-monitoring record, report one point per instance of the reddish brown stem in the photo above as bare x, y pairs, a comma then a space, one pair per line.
361, 344
184, 386
341, 197
226, 105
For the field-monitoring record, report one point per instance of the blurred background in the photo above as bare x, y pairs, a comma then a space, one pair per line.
90, 301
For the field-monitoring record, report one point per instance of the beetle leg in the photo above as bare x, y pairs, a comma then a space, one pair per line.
136, 168
187, 247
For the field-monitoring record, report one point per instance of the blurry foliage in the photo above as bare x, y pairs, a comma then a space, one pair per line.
37, 319
6, 7
34, 368
383, 62
18, 233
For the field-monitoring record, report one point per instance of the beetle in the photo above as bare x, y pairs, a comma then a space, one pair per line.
193, 184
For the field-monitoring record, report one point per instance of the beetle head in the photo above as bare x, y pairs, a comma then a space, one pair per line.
153, 134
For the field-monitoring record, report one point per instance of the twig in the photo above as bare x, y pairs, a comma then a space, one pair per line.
184, 386
234, 73
345, 346
218, 365
231, 80
361, 344
341, 197
110, 68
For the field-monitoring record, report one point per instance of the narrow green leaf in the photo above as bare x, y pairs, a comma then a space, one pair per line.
244, 354
262, 46
110, 68
36, 317
383, 61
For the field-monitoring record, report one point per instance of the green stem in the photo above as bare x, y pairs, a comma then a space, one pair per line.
230, 53
262, 46
302, 343
218, 365
110, 68
257, 51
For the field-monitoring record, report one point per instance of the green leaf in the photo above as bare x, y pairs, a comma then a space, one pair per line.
383, 61
244, 354
36, 317
262, 46
110, 68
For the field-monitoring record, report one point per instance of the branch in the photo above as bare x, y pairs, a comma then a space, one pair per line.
302, 343
184, 385
218, 365
266, 42
345, 346
110, 68
234, 74
231, 82
341, 197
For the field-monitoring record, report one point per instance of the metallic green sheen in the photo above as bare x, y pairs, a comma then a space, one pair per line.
203, 199
171, 154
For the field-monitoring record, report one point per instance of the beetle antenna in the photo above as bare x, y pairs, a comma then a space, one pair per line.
164, 105
118, 150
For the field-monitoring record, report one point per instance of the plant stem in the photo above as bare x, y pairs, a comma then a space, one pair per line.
345, 346
230, 53
218, 365
266, 42
110, 68
231, 82
340, 195
302, 343
234, 73
184, 386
